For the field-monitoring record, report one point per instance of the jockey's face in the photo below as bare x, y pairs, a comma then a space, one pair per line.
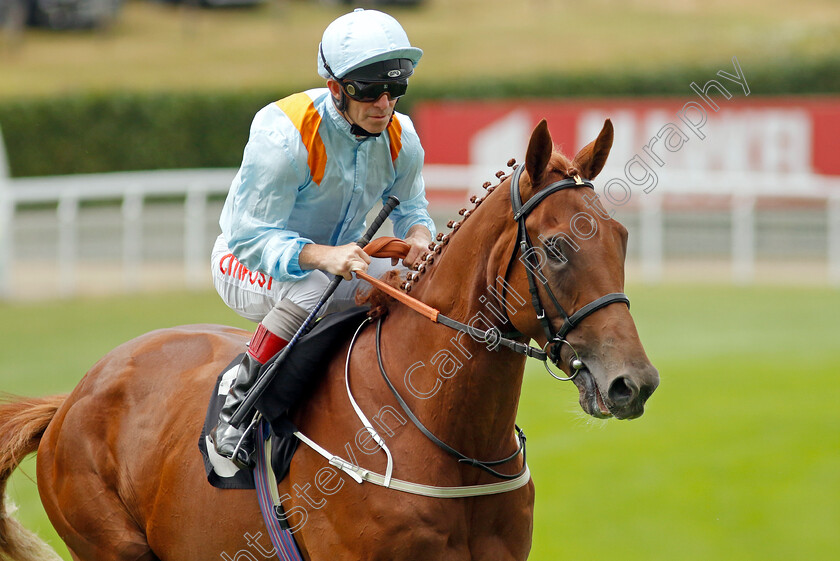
373, 116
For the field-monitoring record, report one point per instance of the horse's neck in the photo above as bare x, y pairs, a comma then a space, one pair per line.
463, 393
468, 394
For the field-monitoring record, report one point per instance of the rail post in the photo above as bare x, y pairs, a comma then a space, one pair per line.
7, 215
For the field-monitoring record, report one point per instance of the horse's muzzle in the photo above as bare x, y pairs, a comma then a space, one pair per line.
622, 396
628, 393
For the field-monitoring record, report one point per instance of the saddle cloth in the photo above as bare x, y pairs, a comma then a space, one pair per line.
298, 376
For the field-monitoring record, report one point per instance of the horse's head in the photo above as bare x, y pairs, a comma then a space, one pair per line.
574, 253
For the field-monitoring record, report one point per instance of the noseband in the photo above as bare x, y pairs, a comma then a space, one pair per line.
493, 336
555, 339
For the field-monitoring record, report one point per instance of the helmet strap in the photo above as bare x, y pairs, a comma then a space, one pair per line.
355, 129
341, 102
359, 131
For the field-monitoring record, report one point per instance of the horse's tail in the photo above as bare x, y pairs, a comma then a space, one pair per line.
22, 424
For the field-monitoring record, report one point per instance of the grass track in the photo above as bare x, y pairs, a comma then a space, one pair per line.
737, 457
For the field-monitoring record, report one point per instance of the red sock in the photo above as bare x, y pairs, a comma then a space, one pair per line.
265, 344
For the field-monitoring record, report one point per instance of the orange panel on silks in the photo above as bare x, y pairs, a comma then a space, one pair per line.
301, 111
395, 137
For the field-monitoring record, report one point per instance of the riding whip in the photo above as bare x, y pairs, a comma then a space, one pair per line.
244, 410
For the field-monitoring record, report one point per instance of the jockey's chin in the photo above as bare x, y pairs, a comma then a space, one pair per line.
373, 116
376, 123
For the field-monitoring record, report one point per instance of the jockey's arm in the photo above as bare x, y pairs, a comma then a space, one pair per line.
337, 260
344, 259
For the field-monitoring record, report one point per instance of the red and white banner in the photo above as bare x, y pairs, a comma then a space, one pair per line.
784, 136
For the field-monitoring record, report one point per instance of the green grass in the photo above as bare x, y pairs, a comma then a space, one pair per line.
738, 454
156, 46
737, 457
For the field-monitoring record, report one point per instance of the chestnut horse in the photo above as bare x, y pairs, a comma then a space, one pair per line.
121, 479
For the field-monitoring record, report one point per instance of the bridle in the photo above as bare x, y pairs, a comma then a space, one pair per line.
494, 338
554, 339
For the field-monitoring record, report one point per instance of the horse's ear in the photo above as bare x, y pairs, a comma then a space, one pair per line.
591, 159
539, 152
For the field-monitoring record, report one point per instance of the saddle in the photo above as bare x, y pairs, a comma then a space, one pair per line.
298, 377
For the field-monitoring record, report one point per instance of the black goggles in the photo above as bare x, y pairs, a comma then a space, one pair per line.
371, 91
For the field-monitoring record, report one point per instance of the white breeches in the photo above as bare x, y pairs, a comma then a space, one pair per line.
253, 295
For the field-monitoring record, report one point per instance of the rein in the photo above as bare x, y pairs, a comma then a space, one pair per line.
493, 337
360, 474
442, 445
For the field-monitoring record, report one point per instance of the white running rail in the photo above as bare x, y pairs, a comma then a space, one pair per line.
447, 186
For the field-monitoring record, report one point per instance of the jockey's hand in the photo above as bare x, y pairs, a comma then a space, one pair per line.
340, 260
419, 238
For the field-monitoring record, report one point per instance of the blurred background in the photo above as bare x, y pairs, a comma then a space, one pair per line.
122, 123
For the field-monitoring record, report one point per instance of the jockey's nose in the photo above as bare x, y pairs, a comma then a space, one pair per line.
383, 101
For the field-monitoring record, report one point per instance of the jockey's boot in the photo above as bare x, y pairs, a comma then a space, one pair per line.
264, 345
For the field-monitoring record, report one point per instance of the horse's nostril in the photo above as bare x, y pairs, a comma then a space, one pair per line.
621, 390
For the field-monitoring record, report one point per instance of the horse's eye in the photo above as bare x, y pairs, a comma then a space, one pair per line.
554, 248
559, 247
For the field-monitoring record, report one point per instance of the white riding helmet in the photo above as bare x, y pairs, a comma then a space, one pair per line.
360, 38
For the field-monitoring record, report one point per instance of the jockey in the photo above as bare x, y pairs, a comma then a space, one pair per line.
315, 164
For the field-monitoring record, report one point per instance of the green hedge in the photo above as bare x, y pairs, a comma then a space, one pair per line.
95, 133
795, 77
133, 131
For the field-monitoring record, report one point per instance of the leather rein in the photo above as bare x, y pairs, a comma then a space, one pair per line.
493, 337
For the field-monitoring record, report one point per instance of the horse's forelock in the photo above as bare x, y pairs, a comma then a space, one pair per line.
563, 165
